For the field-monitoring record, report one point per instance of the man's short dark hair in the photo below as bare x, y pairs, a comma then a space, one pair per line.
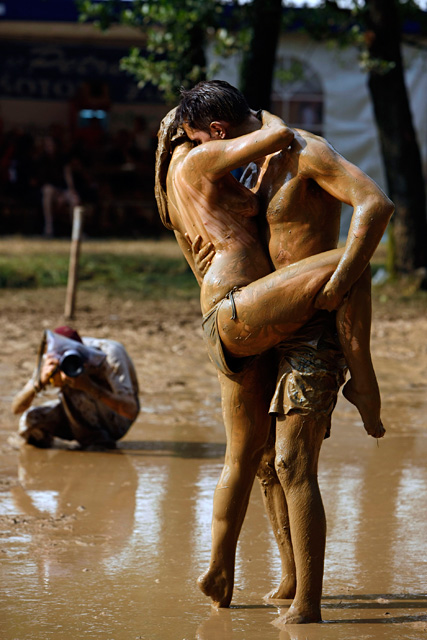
211, 100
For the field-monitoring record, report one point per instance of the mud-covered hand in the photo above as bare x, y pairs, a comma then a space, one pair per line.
329, 297
202, 254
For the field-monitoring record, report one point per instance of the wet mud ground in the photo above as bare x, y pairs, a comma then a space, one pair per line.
109, 545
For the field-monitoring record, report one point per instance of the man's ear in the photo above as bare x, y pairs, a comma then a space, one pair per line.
218, 129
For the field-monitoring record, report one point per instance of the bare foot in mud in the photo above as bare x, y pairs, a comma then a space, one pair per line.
217, 586
368, 405
297, 614
285, 591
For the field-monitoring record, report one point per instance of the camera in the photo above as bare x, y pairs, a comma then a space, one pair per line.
72, 356
71, 363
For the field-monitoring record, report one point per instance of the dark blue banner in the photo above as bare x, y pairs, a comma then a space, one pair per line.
46, 10
56, 71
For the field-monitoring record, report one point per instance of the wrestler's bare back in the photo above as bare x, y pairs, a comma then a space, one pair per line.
221, 212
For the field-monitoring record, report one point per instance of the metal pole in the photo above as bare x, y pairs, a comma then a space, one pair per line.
76, 237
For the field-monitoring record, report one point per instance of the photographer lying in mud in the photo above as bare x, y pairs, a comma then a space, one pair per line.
97, 398
298, 182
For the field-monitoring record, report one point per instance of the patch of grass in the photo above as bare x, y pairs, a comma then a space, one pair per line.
29, 271
152, 270
150, 276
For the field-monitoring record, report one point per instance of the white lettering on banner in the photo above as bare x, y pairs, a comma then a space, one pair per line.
26, 88
56, 72
48, 57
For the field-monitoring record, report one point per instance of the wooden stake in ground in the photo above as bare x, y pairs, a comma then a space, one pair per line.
73, 269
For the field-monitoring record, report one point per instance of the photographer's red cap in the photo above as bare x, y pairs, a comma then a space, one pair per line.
68, 332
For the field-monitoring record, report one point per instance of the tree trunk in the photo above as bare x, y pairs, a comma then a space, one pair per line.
258, 64
196, 55
397, 137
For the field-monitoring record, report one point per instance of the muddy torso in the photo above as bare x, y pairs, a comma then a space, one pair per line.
224, 213
302, 218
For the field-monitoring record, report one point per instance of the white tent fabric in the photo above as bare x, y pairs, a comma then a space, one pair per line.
348, 118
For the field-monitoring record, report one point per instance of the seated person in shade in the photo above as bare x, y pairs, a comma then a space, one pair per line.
97, 402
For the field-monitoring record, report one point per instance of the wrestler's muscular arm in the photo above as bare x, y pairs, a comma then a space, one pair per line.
216, 158
371, 213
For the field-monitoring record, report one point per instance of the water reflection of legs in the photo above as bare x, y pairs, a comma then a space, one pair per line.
295, 632
76, 493
218, 625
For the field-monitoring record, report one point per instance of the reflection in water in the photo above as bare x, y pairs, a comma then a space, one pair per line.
46, 501
110, 545
411, 529
174, 545
239, 623
344, 519
150, 497
148, 522
75, 499
202, 513
217, 626
313, 632
379, 545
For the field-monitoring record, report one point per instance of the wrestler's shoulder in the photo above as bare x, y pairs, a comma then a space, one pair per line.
314, 151
200, 159
310, 141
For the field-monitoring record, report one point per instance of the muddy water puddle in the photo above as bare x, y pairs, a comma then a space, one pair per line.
109, 545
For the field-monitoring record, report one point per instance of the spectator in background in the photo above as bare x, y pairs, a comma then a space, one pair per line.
123, 159
17, 164
141, 136
51, 163
81, 188
144, 143
64, 178
92, 139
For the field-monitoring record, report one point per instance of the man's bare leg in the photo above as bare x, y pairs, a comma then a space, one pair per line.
245, 401
277, 510
299, 438
48, 196
354, 330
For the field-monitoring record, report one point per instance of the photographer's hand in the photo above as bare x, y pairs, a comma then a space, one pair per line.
50, 371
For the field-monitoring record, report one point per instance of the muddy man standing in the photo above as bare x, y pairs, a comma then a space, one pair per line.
301, 190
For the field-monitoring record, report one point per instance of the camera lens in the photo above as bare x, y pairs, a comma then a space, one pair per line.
72, 364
